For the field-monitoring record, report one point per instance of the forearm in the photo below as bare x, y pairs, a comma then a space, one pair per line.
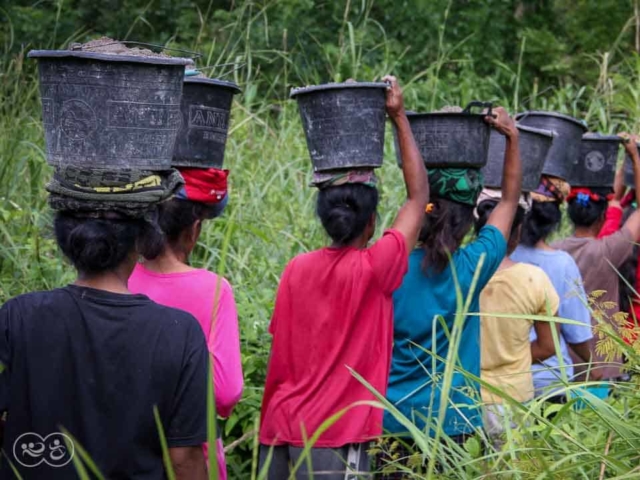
582, 350
413, 169
635, 158
188, 463
512, 175
540, 352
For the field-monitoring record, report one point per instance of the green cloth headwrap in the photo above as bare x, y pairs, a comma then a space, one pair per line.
462, 185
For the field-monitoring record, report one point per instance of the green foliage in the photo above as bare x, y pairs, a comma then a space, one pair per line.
309, 41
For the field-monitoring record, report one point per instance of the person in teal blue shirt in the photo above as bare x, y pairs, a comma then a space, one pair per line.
425, 305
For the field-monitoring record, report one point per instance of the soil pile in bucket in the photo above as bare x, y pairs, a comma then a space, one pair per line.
449, 109
109, 46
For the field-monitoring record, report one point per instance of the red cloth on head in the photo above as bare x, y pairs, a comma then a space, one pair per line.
587, 191
205, 185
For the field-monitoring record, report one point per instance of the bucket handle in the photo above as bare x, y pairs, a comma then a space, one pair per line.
132, 42
478, 104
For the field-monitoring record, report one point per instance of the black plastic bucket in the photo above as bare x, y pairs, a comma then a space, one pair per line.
206, 108
451, 139
534, 146
629, 176
597, 161
564, 154
107, 110
343, 123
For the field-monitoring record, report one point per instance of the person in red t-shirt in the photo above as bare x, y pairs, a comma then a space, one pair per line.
333, 314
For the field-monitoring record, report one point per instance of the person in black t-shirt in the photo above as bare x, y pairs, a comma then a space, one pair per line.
87, 364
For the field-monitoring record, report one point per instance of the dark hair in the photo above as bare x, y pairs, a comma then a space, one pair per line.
628, 269
540, 222
345, 210
484, 210
176, 215
594, 210
95, 245
443, 231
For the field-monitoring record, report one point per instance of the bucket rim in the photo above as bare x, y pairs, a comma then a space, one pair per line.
601, 137
335, 86
106, 57
419, 115
543, 113
214, 82
538, 131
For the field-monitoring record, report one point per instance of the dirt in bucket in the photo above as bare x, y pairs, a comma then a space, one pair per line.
450, 109
110, 46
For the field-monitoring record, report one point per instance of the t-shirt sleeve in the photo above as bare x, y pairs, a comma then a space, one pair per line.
618, 246
224, 346
5, 356
281, 307
548, 299
490, 245
188, 422
574, 307
390, 260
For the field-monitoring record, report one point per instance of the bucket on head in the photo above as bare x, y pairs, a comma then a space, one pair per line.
597, 161
451, 139
629, 176
564, 154
343, 123
534, 144
206, 108
110, 110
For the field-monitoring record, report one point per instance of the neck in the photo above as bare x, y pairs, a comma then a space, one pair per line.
359, 243
585, 232
542, 245
506, 262
114, 281
169, 261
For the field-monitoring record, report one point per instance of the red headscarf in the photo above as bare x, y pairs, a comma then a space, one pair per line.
205, 185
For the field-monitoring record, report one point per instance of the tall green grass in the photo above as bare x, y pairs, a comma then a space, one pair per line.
270, 219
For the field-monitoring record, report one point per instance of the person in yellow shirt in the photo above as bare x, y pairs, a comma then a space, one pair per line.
517, 289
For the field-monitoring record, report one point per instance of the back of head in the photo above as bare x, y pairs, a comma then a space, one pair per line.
346, 210
443, 231
97, 245
540, 222
587, 209
484, 210
178, 215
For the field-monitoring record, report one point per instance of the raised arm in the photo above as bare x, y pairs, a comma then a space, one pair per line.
502, 215
633, 222
411, 215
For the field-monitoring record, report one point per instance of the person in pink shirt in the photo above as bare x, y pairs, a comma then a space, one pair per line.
170, 280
